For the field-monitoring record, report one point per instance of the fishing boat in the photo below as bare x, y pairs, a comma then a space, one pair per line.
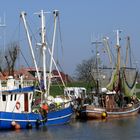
16, 111
31, 106
117, 99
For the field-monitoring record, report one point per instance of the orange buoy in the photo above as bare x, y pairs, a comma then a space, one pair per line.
17, 126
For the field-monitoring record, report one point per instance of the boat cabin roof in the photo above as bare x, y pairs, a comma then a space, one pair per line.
20, 90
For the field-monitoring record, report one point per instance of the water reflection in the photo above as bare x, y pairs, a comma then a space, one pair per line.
117, 129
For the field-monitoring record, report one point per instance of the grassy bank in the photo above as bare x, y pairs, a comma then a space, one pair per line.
59, 89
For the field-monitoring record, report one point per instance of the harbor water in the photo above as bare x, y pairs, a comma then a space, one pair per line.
116, 129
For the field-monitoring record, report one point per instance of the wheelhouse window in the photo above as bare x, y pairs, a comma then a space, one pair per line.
11, 97
30, 96
15, 97
3, 97
72, 92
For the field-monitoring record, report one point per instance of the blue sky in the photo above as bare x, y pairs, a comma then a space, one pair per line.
80, 19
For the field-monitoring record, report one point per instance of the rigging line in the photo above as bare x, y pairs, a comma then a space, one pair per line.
25, 39
111, 52
131, 54
33, 34
31, 22
129, 47
62, 71
24, 59
30, 29
130, 86
35, 40
48, 29
135, 61
57, 53
60, 32
27, 63
19, 43
113, 56
39, 59
61, 42
19, 32
15, 32
60, 87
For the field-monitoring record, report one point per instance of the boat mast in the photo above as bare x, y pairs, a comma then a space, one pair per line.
51, 52
118, 58
118, 49
23, 14
43, 35
43, 44
52, 49
128, 48
97, 65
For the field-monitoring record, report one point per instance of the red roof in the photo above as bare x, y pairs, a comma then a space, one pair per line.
64, 76
28, 76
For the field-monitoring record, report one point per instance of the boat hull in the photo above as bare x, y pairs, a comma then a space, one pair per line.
32, 120
92, 112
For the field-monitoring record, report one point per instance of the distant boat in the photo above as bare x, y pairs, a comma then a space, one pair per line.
118, 98
29, 107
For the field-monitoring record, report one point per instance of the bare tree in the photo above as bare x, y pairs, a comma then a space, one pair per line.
11, 56
84, 70
1, 60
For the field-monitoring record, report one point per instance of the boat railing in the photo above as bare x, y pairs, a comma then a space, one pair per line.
52, 107
126, 108
17, 84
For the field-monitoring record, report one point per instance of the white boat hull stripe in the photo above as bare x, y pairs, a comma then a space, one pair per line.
61, 117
